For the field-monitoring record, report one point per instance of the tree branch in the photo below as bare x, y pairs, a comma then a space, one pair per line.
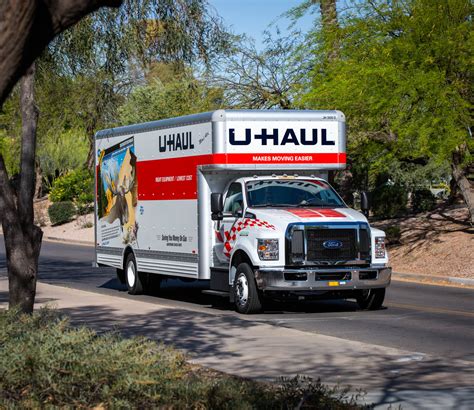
26, 28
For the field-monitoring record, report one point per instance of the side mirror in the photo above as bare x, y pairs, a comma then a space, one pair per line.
364, 203
238, 214
217, 206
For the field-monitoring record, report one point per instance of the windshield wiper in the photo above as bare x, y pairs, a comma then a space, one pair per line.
309, 205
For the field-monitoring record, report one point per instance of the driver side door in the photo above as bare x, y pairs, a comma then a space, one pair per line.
233, 211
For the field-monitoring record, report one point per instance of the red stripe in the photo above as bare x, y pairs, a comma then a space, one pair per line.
331, 213
311, 213
306, 158
175, 178
304, 213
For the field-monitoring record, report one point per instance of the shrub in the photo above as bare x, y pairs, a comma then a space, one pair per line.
393, 234
74, 186
85, 202
389, 201
423, 200
61, 212
44, 363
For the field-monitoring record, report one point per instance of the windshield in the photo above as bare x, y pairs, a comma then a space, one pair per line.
292, 193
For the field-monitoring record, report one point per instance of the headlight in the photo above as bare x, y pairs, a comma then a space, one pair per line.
380, 247
267, 249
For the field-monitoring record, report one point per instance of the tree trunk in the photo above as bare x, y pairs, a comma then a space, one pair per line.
453, 192
328, 14
39, 181
22, 237
330, 24
459, 175
22, 264
90, 161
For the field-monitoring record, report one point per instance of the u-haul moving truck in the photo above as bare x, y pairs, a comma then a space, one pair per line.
238, 198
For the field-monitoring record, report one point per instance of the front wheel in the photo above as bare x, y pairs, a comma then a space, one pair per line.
370, 299
247, 298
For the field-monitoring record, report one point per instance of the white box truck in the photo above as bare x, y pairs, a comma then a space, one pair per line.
238, 198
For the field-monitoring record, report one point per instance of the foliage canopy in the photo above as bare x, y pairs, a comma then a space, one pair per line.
403, 78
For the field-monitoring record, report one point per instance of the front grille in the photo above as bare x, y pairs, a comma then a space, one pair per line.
316, 252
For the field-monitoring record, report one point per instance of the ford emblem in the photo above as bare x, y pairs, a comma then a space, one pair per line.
332, 244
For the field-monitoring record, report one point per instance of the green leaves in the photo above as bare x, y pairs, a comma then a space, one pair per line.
403, 79
178, 96
73, 186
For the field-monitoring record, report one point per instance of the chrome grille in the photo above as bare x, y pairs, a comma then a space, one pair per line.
354, 238
317, 237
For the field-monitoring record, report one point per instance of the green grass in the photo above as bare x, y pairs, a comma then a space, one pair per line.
46, 363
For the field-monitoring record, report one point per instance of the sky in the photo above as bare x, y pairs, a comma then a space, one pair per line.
252, 17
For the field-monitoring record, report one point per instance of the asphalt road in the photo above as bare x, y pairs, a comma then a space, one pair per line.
417, 317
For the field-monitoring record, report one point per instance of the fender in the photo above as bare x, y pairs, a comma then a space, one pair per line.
125, 252
248, 251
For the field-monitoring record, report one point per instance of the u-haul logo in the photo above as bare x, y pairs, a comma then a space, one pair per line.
176, 142
276, 136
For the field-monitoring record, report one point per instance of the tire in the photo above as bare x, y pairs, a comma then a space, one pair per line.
121, 276
133, 278
370, 299
247, 298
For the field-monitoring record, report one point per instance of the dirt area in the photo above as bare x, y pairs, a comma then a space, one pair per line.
437, 243
77, 230
81, 229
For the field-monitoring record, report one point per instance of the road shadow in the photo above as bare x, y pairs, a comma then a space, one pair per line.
4, 299
191, 292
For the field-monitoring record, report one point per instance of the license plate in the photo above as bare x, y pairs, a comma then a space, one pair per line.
333, 283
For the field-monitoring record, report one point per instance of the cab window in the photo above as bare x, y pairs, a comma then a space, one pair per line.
234, 199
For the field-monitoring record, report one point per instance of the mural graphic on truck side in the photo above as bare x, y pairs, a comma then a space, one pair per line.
117, 188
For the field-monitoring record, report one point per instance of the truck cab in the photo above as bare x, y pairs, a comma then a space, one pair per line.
293, 236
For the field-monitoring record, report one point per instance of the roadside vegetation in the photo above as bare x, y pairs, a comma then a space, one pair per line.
46, 363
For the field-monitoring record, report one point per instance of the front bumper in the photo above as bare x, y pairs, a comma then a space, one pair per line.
322, 279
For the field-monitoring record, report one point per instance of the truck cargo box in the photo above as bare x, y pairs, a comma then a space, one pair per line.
154, 180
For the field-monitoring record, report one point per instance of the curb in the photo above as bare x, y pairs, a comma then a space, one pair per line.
73, 241
433, 279
64, 240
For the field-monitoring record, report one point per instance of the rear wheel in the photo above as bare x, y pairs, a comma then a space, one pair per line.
370, 299
247, 297
132, 276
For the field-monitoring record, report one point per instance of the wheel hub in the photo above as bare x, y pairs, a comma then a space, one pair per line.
131, 274
242, 290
